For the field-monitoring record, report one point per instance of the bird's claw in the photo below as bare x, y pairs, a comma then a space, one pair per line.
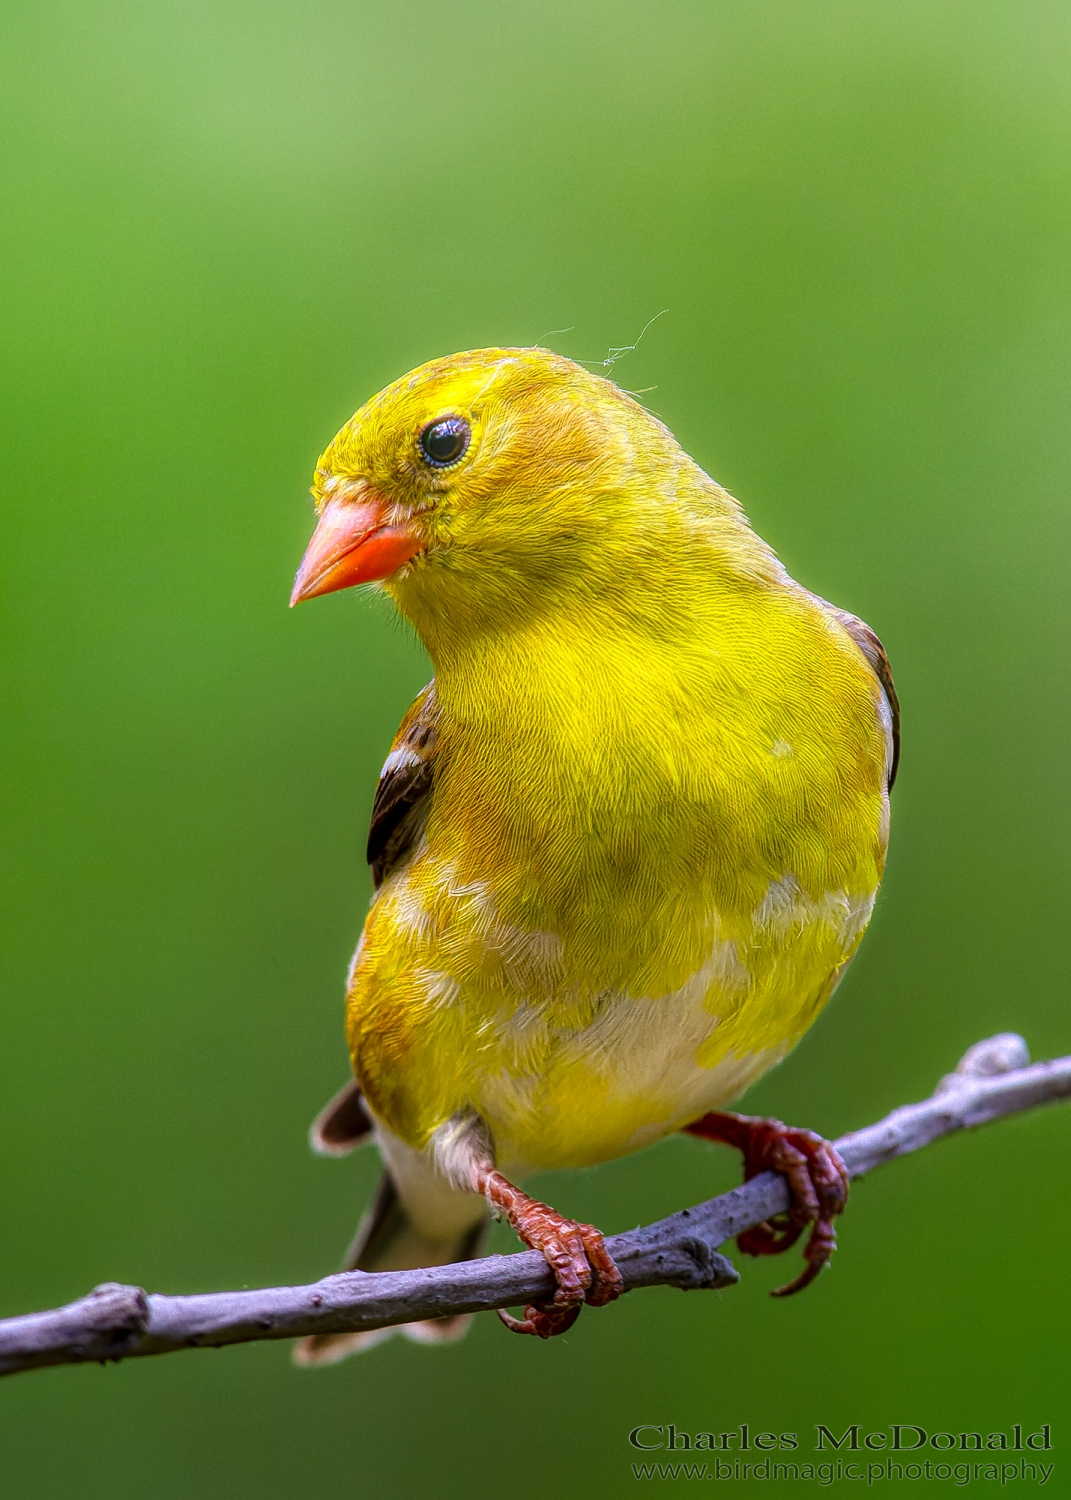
817, 1179
543, 1320
583, 1267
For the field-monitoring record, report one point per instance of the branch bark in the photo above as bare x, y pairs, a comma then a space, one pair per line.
120, 1322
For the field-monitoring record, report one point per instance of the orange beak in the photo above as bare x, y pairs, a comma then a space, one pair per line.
353, 543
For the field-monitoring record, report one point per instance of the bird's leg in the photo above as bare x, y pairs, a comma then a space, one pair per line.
817, 1179
576, 1253
583, 1268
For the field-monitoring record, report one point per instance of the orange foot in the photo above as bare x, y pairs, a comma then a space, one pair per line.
817, 1179
576, 1253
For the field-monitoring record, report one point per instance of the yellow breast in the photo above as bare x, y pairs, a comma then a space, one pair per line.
651, 852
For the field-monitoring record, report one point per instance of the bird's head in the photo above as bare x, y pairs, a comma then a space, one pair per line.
498, 482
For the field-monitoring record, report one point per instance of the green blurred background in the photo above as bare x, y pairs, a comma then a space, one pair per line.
223, 226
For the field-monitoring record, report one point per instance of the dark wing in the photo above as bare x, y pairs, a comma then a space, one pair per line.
874, 652
398, 815
403, 795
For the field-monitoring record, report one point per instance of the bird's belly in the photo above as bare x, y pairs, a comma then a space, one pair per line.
473, 1012
637, 1073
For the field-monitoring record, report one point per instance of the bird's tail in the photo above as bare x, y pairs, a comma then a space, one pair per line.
389, 1240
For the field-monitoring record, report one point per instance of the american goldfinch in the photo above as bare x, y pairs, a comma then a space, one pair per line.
625, 843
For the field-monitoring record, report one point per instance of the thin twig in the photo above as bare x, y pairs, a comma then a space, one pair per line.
119, 1322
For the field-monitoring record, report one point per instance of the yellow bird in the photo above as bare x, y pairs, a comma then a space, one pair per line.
626, 841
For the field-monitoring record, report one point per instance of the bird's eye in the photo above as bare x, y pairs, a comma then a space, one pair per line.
444, 442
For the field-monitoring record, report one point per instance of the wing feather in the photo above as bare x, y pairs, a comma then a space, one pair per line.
874, 651
403, 795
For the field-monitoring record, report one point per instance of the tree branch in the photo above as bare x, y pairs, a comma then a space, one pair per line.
119, 1322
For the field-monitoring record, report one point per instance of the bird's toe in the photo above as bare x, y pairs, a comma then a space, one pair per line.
583, 1267
816, 1176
